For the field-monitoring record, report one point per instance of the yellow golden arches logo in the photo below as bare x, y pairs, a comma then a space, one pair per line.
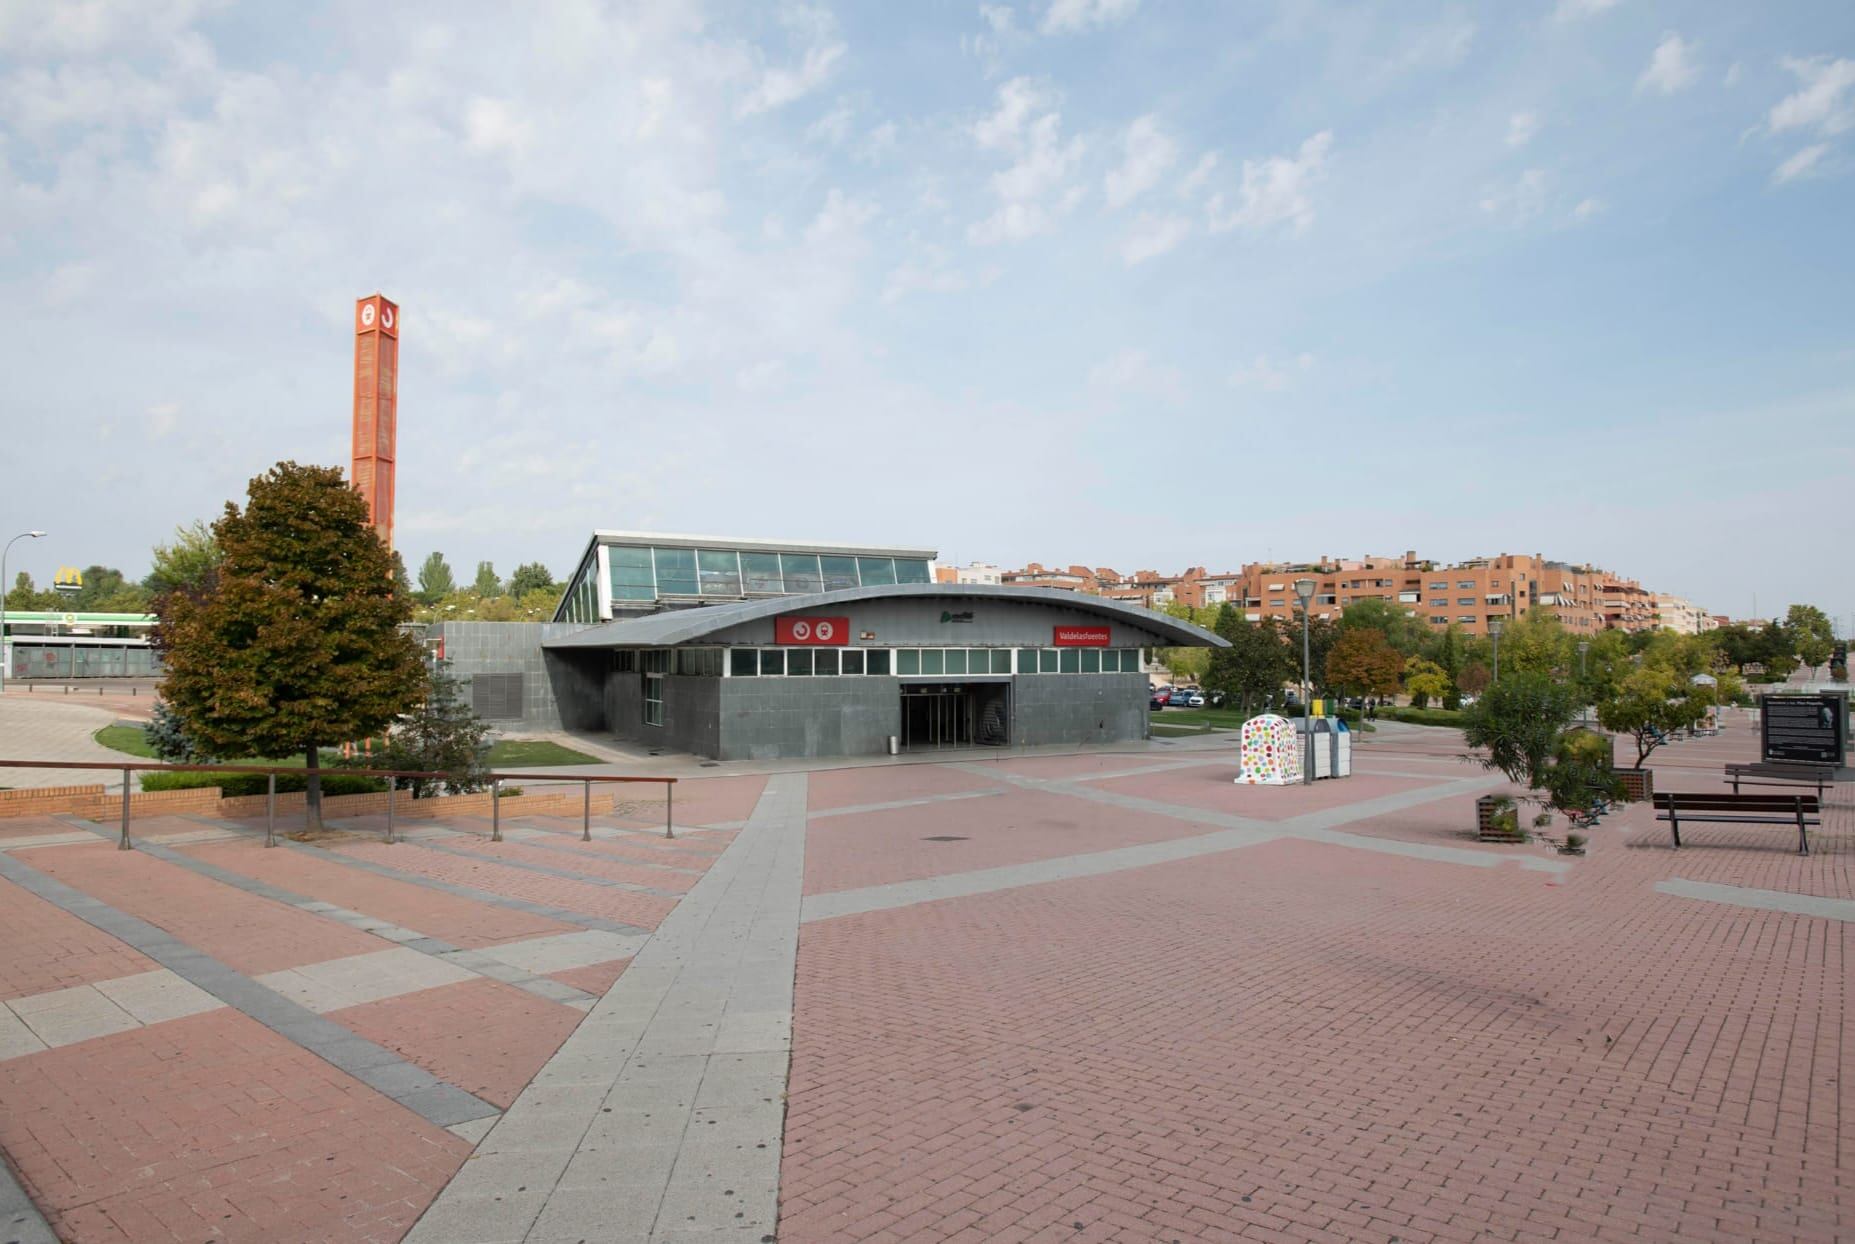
68, 579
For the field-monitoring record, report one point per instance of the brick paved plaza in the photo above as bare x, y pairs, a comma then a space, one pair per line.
1109, 996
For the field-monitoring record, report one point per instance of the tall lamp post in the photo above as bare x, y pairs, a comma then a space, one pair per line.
5, 651
1584, 688
1304, 592
1494, 637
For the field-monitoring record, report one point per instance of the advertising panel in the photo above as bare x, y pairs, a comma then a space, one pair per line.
812, 632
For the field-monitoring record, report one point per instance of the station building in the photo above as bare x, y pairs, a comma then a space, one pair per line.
751, 649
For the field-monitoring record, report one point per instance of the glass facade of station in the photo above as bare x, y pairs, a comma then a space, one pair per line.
638, 576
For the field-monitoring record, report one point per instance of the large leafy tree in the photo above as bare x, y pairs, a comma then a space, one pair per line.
1255, 665
487, 584
1812, 634
1400, 626
189, 564
1426, 680
530, 577
1650, 704
299, 644
1363, 662
24, 597
441, 735
435, 579
1522, 722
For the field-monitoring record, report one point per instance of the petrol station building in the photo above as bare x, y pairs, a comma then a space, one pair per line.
754, 649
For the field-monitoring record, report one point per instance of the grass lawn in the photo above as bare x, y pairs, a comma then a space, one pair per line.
1197, 718
126, 739
533, 753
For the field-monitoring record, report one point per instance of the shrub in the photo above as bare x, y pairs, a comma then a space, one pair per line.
1423, 716
231, 784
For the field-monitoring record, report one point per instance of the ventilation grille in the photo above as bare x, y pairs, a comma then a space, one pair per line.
496, 696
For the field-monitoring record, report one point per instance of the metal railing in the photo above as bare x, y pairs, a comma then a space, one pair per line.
392, 777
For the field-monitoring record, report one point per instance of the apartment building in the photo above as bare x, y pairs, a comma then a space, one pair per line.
978, 572
1676, 613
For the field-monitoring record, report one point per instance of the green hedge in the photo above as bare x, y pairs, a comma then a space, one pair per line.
1423, 716
231, 784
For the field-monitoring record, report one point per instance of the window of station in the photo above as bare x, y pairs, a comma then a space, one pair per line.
910, 570
801, 570
676, 572
760, 572
632, 577
876, 571
839, 572
720, 571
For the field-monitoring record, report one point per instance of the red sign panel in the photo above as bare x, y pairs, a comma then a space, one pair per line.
812, 632
1081, 637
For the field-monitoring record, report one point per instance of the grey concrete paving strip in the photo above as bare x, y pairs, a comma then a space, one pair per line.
374, 1065
661, 1117
858, 808
1761, 900
20, 1220
470, 960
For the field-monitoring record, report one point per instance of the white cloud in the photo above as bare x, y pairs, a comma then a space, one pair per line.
779, 86
1152, 236
1195, 180
1800, 165
1733, 73
1671, 66
1035, 188
1275, 190
1587, 209
832, 128
162, 418
840, 219
1067, 16
1572, 10
1136, 372
1825, 100
1264, 375
1521, 128
1147, 153
931, 275
998, 16
492, 125
1519, 201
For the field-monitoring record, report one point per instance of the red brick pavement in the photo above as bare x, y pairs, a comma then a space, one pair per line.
643, 910
480, 1035
43, 948
1214, 788
1301, 1042
594, 978
1082, 768
875, 848
590, 862
250, 934
847, 788
213, 1128
460, 921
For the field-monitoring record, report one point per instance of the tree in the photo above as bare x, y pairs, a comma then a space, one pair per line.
1812, 634
402, 582
530, 577
1187, 664
435, 581
1536, 643
169, 738
1522, 723
442, 734
1322, 635
1400, 626
1426, 680
1649, 705
1255, 665
1449, 659
189, 564
1363, 662
25, 598
487, 583
300, 643
1474, 678
105, 590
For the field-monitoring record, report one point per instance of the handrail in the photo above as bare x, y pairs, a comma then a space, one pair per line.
392, 777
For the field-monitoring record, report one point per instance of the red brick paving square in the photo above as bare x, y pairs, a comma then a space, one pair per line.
43, 948
594, 978
481, 1035
214, 1128
849, 788
643, 910
875, 848
1085, 767
251, 934
1214, 788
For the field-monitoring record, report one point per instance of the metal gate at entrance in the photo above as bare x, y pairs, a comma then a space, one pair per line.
944, 715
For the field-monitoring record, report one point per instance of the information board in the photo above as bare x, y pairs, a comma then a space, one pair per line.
1804, 727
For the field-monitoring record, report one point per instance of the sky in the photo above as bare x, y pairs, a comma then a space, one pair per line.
1121, 282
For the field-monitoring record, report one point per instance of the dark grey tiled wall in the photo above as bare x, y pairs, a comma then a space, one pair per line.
775, 718
1078, 708
549, 684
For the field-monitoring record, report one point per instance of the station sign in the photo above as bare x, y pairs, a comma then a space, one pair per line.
1081, 637
812, 632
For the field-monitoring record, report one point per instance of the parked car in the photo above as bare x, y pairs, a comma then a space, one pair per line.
1160, 698
1188, 698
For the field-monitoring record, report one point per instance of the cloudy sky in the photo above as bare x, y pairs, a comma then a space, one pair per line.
1127, 282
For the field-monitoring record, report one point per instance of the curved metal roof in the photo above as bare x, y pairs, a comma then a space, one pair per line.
672, 627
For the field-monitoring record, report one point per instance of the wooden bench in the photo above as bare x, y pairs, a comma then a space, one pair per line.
1799, 810
1782, 773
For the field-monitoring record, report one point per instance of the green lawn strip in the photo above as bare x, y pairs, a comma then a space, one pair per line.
534, 754
126, 739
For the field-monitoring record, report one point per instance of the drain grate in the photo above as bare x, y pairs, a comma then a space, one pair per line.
945, 838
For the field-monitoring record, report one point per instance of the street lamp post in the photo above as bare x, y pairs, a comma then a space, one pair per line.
1494, 637
1304, 592
24, 535
1584, 688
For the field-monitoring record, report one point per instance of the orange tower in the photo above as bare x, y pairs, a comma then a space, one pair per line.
376, 407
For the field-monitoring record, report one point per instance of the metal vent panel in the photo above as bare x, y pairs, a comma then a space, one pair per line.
496, 697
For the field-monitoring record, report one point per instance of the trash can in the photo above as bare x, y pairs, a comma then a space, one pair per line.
895, 745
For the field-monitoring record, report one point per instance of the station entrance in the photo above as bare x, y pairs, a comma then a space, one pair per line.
963, 714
